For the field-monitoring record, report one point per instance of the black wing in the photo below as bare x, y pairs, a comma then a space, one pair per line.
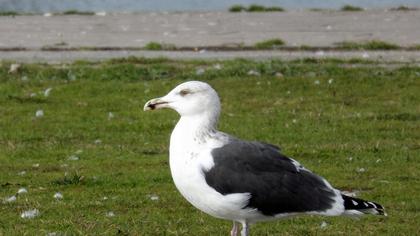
276, 184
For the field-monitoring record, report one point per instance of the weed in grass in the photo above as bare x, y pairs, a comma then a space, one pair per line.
415, 47
153, 46
9, 13
256, 8
317, 9
159, 46
77, 12
60, 44
351, 8
73, 179
306, 47
269, 44
403, 8
368, 45
237, 8
274, 9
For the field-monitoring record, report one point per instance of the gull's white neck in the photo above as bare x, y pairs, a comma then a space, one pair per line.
194, 128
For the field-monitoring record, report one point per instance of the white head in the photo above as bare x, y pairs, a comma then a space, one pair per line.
189, 99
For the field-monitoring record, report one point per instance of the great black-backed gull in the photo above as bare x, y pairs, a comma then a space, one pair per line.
239, 180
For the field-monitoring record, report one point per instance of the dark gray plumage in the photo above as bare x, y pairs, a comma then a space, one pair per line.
277, 184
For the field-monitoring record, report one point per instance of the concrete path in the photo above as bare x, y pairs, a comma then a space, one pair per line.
205, 29
68, 56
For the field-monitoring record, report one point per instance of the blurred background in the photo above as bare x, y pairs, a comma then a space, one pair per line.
41, 6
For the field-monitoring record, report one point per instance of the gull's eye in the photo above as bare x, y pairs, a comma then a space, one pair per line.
184, 92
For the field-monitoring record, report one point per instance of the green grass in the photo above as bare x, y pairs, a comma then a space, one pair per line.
9, 13
159, 46
321, 112
237, 8
367, 45
403, 8
415, 47
254, 8
77, 12
351, 8
274, 9
269, 44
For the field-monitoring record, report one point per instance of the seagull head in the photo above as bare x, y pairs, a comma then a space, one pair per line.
188, 99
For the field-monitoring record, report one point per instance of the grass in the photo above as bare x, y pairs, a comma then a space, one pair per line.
12, 13
367, 45
159, 46
403, 8
237, 8
322, 112
77, 12
269, 44
415, 47
351, 8
254, 8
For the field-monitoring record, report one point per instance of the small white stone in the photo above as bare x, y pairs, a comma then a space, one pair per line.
22, 191
323, 225
330, 81
30, 214
110, 115
73, 158
350, 158
80, 151
110, 214
58, 196
217, 66
71, 77
39, 113
47, 14
98, 141
36, 165
101, 13
47, 92
10, 199
202, 51
365, 55
14, 68
253, 72
105, 198
361, 170
154, 197
279, 75
200, 71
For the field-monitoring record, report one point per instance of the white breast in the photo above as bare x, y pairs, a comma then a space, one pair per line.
188, 159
